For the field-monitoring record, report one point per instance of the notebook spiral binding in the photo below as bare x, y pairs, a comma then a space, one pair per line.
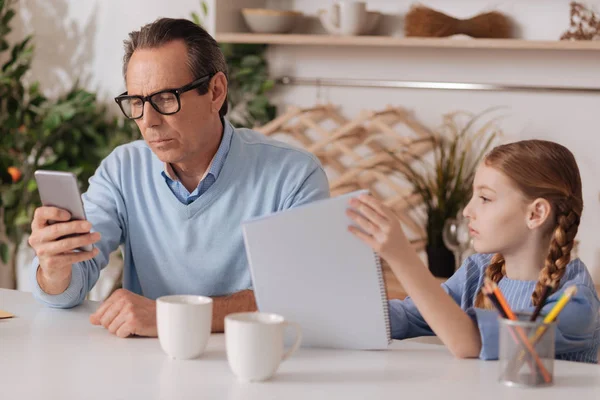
384, 297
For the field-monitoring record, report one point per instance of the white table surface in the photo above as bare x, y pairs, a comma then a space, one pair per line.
57, 354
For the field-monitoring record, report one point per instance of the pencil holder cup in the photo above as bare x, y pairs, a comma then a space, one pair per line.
526, 353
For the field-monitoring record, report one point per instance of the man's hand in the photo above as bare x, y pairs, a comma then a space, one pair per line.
125, 313
55, 251
243, 301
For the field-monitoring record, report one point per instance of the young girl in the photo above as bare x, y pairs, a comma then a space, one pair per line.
523, 217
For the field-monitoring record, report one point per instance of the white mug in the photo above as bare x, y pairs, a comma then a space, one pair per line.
184, 323
255, 342
352, 17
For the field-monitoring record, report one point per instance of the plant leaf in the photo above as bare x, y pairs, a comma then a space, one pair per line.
267, 85
196, 19
22, 218
9, 198
31, 185
7, 17
4, 252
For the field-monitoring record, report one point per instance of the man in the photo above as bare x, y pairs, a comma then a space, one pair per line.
177, 199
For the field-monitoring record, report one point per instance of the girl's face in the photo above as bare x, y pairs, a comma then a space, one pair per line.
498, 213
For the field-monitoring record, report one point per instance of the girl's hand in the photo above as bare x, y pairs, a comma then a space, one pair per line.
381, 229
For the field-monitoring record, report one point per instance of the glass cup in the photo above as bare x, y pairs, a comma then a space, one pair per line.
456, 238
526, 353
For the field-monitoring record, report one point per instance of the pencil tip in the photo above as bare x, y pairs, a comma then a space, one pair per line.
570, 291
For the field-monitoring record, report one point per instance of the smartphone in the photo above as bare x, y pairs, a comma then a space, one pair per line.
60, 189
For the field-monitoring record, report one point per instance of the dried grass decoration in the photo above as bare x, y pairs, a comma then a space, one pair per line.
585, 24
422, 21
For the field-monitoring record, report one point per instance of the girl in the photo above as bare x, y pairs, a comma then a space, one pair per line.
523, 218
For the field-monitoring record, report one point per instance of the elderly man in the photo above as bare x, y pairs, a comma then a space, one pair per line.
176, 199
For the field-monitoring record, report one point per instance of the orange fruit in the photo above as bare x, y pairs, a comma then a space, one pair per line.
15, 173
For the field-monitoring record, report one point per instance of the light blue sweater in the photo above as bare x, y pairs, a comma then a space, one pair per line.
174, 248
578, 328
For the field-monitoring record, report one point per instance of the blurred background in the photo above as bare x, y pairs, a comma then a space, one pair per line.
349, 82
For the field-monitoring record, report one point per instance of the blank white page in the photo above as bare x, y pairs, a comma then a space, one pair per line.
307, 267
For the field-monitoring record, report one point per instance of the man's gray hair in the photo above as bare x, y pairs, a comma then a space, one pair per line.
204, 55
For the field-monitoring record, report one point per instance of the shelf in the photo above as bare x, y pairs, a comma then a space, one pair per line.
386, 41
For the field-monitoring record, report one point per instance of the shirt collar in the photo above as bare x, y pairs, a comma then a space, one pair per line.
216, 164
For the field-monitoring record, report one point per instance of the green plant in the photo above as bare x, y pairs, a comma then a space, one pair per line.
249, 82
444, 184
70, 133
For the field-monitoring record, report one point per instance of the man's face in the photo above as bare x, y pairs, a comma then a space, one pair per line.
173, 138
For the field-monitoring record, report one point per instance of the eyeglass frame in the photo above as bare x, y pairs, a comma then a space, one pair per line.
177, 92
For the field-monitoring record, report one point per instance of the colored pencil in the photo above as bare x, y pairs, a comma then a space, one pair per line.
522, 336
551, 317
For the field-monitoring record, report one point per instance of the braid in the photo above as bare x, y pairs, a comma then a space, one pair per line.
542, 169
559, 255
494, 271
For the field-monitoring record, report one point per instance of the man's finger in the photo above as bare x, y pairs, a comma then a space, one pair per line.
55, 231
72, 243
119, 320
111, 313
59, 261
42, 215
97, 316
125, 330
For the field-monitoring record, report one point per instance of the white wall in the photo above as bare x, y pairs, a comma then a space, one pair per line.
84, 38
570, 119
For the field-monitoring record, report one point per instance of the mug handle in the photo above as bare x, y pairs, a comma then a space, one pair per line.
297, 342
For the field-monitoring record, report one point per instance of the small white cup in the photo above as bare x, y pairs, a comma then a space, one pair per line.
353, 17
255, 342
184, 324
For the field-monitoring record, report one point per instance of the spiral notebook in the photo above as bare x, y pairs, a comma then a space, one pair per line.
307, 267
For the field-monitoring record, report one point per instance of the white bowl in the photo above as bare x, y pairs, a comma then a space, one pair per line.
261, 20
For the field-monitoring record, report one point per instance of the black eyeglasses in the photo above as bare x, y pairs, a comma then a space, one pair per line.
166, 101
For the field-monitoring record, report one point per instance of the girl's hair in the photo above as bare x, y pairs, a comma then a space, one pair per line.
541, 169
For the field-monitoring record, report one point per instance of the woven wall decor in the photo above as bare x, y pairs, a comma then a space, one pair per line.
356, 153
